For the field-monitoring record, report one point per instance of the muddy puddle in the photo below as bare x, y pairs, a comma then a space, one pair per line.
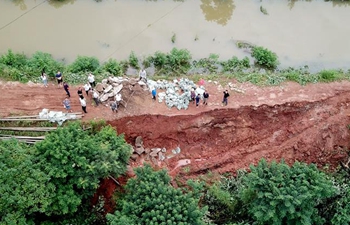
300, 32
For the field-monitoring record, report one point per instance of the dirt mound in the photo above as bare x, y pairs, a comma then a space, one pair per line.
225, 140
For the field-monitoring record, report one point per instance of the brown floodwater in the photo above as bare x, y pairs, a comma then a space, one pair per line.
314, 33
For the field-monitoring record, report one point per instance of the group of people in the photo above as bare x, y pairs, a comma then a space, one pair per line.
87, 87
196, 98
90, 85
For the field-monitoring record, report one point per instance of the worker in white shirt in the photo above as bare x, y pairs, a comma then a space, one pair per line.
87, 87
91, 79
143, 75
95, 96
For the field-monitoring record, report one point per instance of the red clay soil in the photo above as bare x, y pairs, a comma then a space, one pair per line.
305, 123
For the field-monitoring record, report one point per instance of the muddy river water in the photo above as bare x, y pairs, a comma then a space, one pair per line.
314, 33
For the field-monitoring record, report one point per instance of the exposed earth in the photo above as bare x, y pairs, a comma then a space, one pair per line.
293, 122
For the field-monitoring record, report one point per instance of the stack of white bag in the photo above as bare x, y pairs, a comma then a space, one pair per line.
56, 116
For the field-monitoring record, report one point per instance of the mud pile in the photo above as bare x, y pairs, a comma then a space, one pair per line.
225, 140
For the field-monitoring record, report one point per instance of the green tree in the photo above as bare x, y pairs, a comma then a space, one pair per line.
84, 64
41, 61
150, 199
265, 57
76, 161
278, 194
25, 189
112, 66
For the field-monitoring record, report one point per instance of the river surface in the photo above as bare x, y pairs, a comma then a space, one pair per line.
314, 33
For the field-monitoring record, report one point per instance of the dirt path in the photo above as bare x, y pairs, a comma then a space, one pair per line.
306, 123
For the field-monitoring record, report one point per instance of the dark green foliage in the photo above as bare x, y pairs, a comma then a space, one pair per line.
336, 210
159, 60
112, 66
76, 161
234, 64
125, 65
223, 203
328, 75
278, 194
150, 199
207, 64
14, 60
52, 182
41, 61
11, 66
147, 62
25, 189
133, 60
179, 60
84, 64
265, 57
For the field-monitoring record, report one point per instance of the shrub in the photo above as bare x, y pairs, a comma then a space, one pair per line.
147, 62
10, 73
179, 60
208, 64
159, 60
14, 60
113, 67
328, 75
265, 57
41, 61
133, 60
84, 64
150, 199
278, 194
234, 64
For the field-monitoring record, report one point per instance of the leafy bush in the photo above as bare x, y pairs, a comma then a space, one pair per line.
84, 64
150, 199
223, 203
179, 60
234, 64
328, 75
14, 60
133, 60
147, 62
159, 60
208, 64
76, 161
25, 189
278, 194
113, 67
265, 57
41, 61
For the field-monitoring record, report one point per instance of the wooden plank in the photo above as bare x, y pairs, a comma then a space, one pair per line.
18, 117
37, 116
78, 117
29, 128
15, 136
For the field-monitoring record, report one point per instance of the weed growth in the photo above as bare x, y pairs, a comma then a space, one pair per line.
173, 38
264, 57
133, 60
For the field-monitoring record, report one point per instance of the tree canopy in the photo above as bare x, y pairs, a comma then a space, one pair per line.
55, 176
151, 200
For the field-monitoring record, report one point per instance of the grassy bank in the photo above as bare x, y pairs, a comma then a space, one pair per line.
262, 70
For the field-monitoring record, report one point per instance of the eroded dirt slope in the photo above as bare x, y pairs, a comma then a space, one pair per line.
225, 140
